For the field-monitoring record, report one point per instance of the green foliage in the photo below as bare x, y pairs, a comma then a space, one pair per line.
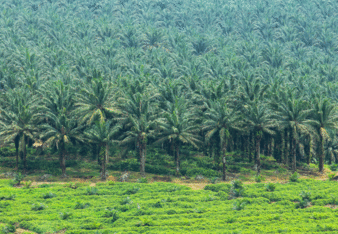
334, 167
270, 187
27, 184
48, 195
18, 177
239, 204
65, 215
92, 191
9, 229
38, 206
159, 207
236, 190
294, 177
259, 178
331, 176
81, 205
142, 180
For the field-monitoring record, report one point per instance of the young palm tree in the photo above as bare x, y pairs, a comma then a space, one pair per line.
258, 119
219, 119
101, 134
18, 118
178, 126
326, 117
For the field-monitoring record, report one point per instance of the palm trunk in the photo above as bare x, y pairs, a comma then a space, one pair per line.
321, 151
224, 149
224, 169
307, 150
286, 149
177, 158
62, 159
142, 159
107, 153
103, 171
17, 144
98, 150
250, 147
293, 150
24, 157
257, 153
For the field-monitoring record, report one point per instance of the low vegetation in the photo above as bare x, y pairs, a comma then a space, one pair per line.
113, 207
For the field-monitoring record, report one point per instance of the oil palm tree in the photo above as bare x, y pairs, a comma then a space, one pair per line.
220, 119
177, 124
326, 118
102, 134
58, 125
139, 119
258, 119
292, 114
95, 101
18, 120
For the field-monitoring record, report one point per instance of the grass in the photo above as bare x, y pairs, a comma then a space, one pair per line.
116, 207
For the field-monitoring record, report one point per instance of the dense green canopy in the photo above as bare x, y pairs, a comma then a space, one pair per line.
129, 61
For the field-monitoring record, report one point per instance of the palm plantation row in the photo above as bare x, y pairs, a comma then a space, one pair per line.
249, 117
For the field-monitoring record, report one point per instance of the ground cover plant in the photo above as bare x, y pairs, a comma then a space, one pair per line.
306, 206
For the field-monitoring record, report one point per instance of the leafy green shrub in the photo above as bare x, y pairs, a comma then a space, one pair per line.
39, 206
27, 184
145, 221
91, 191
132, 191
334, 167
214, 180
237, 189
92, 226
170, 212
80, 205
234, 168
333, 200
259, 178
217, 187
270, 187
126, 201
191, 171
294, 177
305, 200
142, 180
230, 220
65, 215
48, 195
9, 229
9, 197
111, 213
305, 195
18, 177
331, 176
239, 205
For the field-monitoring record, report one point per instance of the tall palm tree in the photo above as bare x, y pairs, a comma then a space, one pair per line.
259, 120
219, 119
326, 117
177, 125
59, 126
292, 114
18, 120
101, 134
139, 118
